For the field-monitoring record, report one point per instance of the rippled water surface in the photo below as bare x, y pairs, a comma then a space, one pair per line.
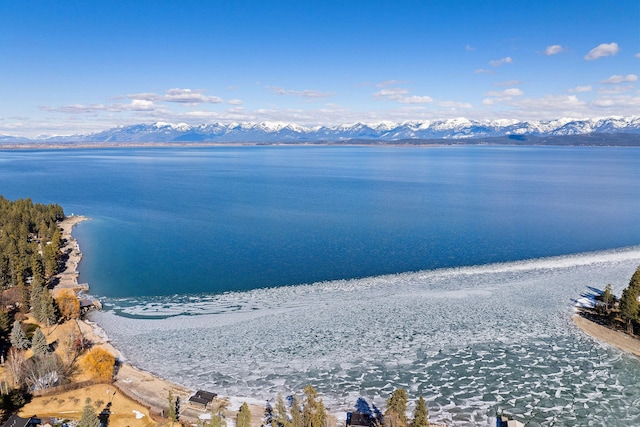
191, 220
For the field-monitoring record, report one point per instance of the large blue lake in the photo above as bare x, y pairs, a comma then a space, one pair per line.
175, 220
449, 271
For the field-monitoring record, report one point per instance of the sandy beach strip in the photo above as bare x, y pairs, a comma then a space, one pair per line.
68, 278
607, 335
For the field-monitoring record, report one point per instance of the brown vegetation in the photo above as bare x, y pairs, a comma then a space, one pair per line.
68, 304
99, 363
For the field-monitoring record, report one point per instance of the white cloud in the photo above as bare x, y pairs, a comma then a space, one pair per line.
400, 95
498, 96
469, 48
637, 55
546, 107
389, 83
551, 102
393, 93
615, 79
508, 83
604, 102
137, 105
145, 96
604, 49
76, 108
554, 49
182, 96
454, 104
414, 99
615, 89
234, 101
189, 96
501, 61
514, 91
581, 89
307, 93
483, 71
619, 102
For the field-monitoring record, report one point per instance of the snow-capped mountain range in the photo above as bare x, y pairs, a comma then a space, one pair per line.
273, 132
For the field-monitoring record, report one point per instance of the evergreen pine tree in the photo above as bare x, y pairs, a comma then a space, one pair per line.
43, 231
296, 415
89, 417
244, 416
4, 323
629, 307
37, 270
18, 338
420, 414
280, 418
171, 413
607, 298
396, 413
313, 412
635, 280
47, 308
268, 413
36, 299
39, 343
217, 419
18, 271
56, 239
50, 258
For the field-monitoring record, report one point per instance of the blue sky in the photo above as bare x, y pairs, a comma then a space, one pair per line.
80, 66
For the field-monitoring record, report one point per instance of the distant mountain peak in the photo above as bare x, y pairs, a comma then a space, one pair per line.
275, 131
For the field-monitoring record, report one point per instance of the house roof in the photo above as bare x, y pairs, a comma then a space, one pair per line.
359, 419
16, 421
206, 395
199, 400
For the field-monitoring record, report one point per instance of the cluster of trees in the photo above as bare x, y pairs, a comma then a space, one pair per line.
624, 310
310, 411
29, 239
396, 413
30, 242
46, 369
30, 256
629, 308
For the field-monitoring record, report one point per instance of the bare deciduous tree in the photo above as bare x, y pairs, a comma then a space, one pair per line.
44, 372
16, 366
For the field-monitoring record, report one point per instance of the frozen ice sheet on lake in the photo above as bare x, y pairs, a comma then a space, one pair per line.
472, 340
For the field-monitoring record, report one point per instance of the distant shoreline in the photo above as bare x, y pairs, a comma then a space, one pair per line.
31, 146
586, 140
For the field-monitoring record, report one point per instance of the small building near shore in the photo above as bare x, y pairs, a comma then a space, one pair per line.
201, 399
359, 419
88, 303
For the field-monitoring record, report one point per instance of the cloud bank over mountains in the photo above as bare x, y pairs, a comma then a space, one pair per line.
273, 132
